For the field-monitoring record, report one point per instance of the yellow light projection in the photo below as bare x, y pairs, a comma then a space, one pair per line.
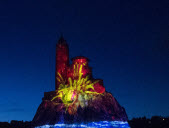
77, 91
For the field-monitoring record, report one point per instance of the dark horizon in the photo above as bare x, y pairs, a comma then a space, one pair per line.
126, 43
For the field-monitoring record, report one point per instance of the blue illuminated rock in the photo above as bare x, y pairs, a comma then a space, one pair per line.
100, 124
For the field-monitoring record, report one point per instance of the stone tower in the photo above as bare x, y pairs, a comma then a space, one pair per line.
62, 60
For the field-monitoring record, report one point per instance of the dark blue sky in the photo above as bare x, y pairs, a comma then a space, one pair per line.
126, 41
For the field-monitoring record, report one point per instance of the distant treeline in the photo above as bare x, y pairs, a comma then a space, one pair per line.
154, 122
16, 124
142, 122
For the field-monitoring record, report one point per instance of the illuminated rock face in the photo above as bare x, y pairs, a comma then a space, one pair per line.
100, 108
100, 124
78, 98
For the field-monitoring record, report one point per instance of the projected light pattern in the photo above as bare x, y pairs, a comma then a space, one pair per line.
78, 97
78, 90
101, 124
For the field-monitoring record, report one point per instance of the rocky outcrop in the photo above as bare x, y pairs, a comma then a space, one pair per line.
100, 108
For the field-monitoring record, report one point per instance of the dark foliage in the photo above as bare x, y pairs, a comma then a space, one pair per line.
16, 124
154, 122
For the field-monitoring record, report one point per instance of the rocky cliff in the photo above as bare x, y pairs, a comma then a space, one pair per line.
100, 108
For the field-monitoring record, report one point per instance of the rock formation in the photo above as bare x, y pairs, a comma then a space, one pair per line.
78, 96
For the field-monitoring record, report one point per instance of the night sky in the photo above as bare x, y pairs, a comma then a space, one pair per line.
127, 44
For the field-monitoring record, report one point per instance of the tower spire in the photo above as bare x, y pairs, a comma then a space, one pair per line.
61, 40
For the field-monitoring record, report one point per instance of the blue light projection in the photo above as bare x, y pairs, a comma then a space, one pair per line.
101, 124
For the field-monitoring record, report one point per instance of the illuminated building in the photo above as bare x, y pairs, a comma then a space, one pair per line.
62, 60
79, 100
